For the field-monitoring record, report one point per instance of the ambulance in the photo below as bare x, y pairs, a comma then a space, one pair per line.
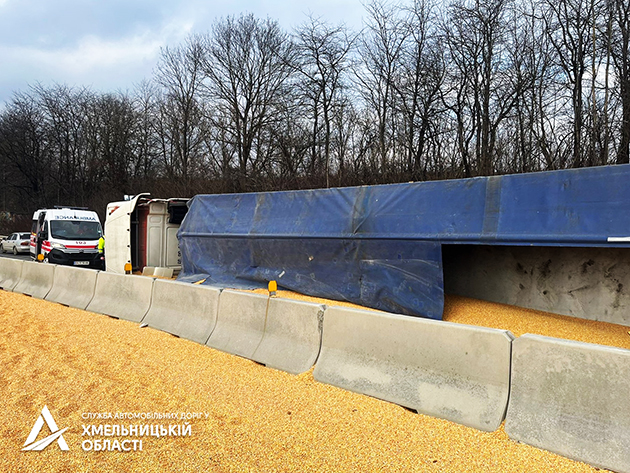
66, 235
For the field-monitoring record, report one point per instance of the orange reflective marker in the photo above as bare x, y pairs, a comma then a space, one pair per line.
273, 288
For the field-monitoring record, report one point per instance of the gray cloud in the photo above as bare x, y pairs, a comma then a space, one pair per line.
113, 44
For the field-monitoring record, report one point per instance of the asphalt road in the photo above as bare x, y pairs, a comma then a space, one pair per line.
23, 256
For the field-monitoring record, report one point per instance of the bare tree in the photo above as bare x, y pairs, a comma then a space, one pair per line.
116, 122
478, 87
419, 85
381, 47
23, 154
66, 119
180, 73
145, 104
291, 138
476, 37
568, 25
323, 59
619, 11
248, 62
528, 130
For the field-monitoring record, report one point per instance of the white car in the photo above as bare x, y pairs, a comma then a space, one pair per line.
16, 243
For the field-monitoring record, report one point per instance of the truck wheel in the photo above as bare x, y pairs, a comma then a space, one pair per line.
15, 251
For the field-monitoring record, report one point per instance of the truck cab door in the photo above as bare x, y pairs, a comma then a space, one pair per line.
40, 235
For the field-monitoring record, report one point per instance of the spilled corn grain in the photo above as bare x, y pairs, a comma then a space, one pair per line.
519, 321
258, 419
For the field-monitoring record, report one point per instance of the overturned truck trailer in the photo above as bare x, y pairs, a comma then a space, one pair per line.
556, 241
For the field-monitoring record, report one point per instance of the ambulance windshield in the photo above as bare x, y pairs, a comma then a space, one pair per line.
75, 230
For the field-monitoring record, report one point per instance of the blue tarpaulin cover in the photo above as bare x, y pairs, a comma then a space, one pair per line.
380, 246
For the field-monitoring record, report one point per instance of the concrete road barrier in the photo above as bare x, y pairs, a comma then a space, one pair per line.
163, 272
72, 286
452, 371
186, 310
122, 296
10, 272
573, 399
292, 335
36, 279
240, 323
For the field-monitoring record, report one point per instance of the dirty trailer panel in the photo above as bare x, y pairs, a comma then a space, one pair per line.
381, 246
588, 283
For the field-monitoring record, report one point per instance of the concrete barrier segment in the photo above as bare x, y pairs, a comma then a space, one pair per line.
72, 286
36, 279
10, 272
122, 296
240, 323
456, 372
163, 272
292, 335
571, 398
186, 310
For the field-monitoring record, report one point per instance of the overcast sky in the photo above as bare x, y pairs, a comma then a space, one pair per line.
112, 45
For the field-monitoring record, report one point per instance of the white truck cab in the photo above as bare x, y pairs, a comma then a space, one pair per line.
66, 235
141, 232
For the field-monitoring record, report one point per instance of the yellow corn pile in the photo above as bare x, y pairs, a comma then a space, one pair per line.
519, 321
259, 419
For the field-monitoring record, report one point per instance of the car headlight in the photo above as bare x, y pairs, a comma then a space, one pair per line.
58, 246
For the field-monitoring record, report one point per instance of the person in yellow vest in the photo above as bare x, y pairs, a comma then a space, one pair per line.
101, 249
